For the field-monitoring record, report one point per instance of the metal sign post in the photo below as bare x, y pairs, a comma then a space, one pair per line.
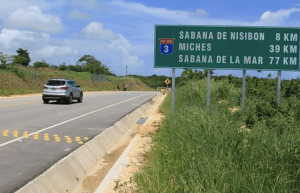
173, 90
278, 87
208, 89
244, 89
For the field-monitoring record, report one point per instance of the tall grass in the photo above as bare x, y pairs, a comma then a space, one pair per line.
18, 80
207, 151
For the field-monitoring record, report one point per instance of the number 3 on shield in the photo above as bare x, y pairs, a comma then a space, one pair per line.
166, 49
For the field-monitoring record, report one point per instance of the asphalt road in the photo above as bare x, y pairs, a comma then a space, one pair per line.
24, 156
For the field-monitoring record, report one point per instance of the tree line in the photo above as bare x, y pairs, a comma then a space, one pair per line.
22, 58
86, 63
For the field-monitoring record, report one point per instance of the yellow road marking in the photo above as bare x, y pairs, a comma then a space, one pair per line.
45, 135
26, 136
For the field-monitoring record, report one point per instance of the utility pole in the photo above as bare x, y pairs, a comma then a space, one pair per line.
126, 70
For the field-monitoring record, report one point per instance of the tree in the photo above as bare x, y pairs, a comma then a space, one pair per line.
76, 68
92, 65
41, 64
192, 74
269, 75
4, 59
22, 57
62, 67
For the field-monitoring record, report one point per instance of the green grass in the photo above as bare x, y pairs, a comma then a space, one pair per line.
17, 80
197, 150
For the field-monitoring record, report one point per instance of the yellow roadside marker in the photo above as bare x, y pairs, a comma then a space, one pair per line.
56, 138
68, 139
36, 136
46, 136
77, 139
16, 134
5, 133
26, 136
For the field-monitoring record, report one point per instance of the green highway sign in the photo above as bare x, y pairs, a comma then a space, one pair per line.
227, 47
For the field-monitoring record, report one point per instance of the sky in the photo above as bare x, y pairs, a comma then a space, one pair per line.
120, 33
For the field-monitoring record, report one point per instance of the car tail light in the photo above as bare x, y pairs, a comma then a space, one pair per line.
64, 88
45, 87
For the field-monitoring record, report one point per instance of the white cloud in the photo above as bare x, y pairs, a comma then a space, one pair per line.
95, 30
92, 4
133, 61
122, 44
7, 7
33, 18
202, 12
142, 10
39, 44
13, 39
85, 3
180, 17
76, 14
56, 51
269, 18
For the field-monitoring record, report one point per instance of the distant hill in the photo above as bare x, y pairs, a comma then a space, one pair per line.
17, 80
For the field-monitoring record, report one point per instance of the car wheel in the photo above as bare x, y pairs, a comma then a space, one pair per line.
80, 98
70, 99
45, 101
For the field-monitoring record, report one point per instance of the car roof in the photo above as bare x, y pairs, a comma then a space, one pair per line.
59, 79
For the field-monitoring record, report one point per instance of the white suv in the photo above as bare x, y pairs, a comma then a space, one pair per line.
62, 90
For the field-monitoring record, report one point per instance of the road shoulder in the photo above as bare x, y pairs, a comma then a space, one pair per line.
119, 165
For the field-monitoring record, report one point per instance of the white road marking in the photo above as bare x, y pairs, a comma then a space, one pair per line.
20, 138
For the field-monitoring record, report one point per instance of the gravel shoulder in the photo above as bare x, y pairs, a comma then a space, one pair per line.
136, 154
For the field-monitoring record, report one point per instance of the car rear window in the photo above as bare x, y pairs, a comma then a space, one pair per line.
55, 82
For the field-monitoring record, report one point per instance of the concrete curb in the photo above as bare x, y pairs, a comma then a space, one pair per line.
68, 173
115, 171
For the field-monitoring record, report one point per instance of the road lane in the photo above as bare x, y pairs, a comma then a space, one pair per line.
23, 159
